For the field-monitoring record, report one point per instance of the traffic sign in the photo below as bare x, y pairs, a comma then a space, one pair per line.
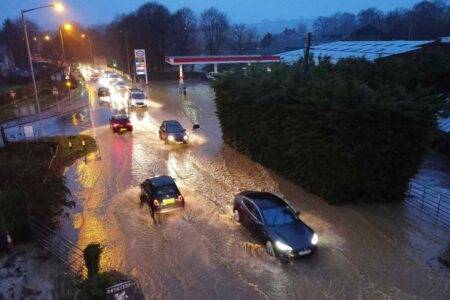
55, 91
12, 93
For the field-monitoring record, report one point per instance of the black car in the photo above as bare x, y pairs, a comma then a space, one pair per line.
171, 131
162, 194
274, 222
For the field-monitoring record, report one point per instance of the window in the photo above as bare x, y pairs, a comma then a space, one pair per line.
253, 210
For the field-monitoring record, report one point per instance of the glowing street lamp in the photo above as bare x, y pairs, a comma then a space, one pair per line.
90, 46
67, 27
47, 38
59, 8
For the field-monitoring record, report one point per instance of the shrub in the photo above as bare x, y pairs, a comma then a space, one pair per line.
91, 256
344, 132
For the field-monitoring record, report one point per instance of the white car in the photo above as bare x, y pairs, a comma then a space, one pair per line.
120, 86
138, 99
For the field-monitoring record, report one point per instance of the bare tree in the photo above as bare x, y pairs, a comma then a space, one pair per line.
302, 29
242, 38
184, 32
214, 26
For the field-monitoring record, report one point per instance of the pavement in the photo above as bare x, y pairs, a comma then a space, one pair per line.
365, 252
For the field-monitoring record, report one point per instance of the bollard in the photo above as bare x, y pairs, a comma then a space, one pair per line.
70, 144
83, 143
9, 241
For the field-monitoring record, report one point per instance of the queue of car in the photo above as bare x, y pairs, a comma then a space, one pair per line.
271, 220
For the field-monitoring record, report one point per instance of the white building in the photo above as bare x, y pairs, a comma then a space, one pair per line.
370, 50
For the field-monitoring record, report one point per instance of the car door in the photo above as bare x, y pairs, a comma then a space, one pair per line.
256, 223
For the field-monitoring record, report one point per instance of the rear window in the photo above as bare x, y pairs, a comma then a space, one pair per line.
121, 119
166, 191
138, 96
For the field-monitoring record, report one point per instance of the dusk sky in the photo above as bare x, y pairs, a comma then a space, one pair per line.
89, 12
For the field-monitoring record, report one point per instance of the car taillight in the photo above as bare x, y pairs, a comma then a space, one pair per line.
129, 124
180, 198
155, 202
115, 124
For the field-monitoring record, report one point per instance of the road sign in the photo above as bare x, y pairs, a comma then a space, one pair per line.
124, 290
141, 63
12, 93
55, 91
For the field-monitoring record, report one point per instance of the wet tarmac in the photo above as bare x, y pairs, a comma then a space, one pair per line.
369, 252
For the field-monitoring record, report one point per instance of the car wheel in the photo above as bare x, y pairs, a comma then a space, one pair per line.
270, 249
236, 216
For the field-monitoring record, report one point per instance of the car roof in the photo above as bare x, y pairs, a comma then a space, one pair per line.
172, 122
161, 180
264, 200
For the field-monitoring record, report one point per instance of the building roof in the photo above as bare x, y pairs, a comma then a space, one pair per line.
370, 50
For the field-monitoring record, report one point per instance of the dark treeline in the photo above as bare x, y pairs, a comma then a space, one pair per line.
425, 20
154, 28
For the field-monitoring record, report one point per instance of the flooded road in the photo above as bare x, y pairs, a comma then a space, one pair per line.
364, 252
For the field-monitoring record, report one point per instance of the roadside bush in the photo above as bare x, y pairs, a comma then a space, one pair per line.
29, 184
441, 143
346, 132
91, 255
95, 287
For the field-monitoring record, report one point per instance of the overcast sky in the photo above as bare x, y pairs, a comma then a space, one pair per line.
89, 12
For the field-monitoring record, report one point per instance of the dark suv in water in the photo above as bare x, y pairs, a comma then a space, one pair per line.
162, 194
171, 131
272, 221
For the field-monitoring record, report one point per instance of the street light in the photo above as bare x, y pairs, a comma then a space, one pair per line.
90, 46
58, 7
67, 27
47, 38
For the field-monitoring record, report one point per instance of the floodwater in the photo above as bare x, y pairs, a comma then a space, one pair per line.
369, 252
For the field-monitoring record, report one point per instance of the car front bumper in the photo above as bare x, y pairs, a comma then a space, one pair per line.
297, 253
170, 208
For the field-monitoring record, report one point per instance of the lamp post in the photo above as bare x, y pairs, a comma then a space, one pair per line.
67, 27
127, 50
90, 47
58, 7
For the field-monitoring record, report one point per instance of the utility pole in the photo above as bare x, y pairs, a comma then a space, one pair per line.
307, 51
62, 45
128, 53
30, 59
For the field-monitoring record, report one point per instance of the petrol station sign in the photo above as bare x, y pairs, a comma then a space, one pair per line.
140, 63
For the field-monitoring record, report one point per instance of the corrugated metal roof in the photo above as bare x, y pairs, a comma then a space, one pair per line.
370, 50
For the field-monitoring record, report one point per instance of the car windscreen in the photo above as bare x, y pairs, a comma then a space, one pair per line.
174, 127
138, 96
166, 191
277, 216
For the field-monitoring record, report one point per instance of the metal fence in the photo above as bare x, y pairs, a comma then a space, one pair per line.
430, 203
63, 249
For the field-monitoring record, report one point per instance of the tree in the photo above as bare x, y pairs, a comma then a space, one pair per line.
214, 26
153, 31
242, 38
302, 29
372, 16
266, 40
184, 32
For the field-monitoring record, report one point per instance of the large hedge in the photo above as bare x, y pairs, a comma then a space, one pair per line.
349, 132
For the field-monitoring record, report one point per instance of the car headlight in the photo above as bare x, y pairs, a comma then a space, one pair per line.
282, 247
185, 137
171, 138
314, 239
